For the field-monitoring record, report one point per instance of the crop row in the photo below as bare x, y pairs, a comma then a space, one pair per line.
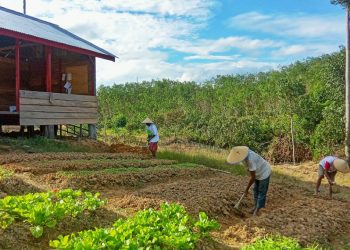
168, 228
128, 177
42, 210
45, 167
24, 157
164, 165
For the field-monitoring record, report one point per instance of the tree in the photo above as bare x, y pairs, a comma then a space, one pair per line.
346, 5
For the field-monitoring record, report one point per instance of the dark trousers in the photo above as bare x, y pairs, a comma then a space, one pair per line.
260, 191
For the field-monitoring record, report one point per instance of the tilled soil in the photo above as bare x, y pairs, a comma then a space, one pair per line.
291, 210
53, 166
123, 148
100, 180
25, 157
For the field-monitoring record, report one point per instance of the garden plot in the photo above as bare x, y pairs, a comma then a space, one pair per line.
132, 182
125, 177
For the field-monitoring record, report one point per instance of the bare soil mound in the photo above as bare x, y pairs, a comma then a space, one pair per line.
123, 148
100, 181
53, 166
305, 218
16, 186
25, 157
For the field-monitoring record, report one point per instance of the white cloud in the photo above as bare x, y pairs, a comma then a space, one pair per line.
305, 50
212, 57
206, 47
201, 72
181, 8
293, 25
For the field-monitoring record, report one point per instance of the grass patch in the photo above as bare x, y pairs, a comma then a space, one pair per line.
202, 159
41, 144
4, 173
127, 169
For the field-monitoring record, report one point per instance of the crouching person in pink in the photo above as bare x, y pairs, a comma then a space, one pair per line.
153, 136
328, 167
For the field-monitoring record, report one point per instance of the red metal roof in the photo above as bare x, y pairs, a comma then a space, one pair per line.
17, 25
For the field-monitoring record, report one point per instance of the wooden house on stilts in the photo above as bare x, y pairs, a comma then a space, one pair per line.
47, 74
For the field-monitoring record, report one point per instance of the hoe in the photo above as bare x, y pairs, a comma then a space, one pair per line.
236, 209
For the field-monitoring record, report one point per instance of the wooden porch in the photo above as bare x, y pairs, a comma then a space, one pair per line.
47, 75
43, 108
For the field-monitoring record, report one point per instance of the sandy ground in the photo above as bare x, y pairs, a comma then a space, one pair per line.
292, 209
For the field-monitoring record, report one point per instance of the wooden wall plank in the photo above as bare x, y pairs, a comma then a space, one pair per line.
29, 121
28, 101
57, 96
43, 115
42, 108
56, 109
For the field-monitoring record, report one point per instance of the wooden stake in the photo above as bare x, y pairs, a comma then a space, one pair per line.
291, 131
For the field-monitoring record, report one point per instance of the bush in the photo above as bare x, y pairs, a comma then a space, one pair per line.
276, 243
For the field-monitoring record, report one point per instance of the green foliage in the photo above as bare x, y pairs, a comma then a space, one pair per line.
344, 3
42, 210
276, 243
169, 228
119, 121
251, 109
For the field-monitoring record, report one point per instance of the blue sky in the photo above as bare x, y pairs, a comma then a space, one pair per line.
196, 39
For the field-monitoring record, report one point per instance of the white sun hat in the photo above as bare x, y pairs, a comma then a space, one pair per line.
341, 166
147, 120
237, 154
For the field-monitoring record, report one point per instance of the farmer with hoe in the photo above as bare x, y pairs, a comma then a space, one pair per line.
260, 172
328, 167
153, 136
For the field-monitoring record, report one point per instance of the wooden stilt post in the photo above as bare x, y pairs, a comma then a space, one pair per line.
81, 130
92, 131
50, 129
92, 127
18, 74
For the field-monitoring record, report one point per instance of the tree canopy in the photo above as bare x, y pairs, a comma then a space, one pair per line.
251, 109
344, 3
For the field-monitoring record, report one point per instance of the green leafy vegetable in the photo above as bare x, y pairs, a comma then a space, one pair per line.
169, 228
46, 209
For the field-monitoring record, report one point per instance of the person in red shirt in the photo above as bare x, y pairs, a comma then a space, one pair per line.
328, 167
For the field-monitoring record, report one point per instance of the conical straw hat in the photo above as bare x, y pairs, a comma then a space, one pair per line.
147, 120
341, 166
237, 154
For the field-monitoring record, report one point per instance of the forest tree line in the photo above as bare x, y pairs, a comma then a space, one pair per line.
252, 109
